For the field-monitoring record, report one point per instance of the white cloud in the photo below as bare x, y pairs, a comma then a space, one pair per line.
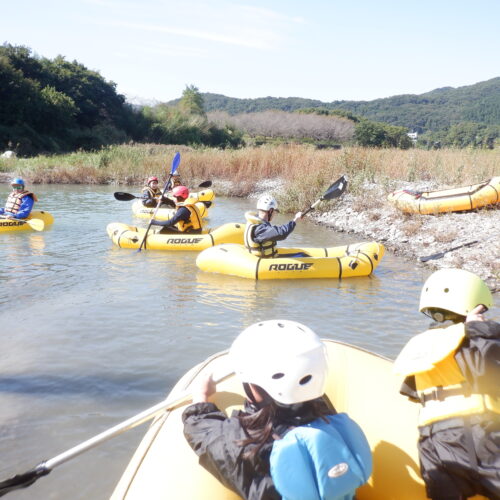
251, 39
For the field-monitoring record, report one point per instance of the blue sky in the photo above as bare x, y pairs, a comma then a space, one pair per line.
320, 49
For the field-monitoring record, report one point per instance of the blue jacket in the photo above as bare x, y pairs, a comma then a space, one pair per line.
26, 206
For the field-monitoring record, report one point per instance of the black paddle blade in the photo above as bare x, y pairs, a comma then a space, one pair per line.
119, 195
205, 184
23, 480
440, 255
434, 256
336, 189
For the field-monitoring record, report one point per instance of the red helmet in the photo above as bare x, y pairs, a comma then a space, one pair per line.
180, 192
151, 179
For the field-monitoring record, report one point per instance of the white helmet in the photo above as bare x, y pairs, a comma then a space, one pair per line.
266, 202
287, 359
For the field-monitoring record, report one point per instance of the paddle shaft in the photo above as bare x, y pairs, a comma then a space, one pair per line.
175, 165
166, 405
440, 255
312, 207
121, 196
334, 191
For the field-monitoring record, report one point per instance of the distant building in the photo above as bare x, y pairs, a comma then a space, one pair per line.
413, 136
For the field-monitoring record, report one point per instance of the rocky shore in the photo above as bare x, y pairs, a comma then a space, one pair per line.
414, 236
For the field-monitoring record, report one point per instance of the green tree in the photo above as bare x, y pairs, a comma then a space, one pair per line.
191, 101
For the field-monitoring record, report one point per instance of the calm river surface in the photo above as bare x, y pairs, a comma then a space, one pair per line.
93, 334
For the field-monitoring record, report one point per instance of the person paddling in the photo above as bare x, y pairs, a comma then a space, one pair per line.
287, 423
187, 218
19, 202
151, 192
453, 371
260, 235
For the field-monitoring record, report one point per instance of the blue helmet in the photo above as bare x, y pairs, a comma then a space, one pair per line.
17, 180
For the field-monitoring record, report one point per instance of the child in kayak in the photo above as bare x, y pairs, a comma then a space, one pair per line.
260, 235
453, 371
151, 192
19, 202
187, 218
270, 449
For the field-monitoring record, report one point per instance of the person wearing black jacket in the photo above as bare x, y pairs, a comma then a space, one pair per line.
453, 370
283, 367
186, 219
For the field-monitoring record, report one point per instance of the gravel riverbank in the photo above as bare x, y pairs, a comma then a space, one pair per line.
414, 235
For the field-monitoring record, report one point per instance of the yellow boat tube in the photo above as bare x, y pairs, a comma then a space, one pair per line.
11, 225
359, 259
126, 236
142, 212
164, 466
448, 200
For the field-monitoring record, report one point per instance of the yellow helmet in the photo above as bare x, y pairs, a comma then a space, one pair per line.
453, 290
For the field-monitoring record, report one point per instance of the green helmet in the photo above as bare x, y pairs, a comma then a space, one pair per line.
453, 290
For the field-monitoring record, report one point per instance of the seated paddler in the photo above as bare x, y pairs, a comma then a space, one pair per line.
151, 192
19, 202
187, 218
260, 235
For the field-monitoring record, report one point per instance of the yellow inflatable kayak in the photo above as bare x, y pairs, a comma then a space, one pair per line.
126, 236
448, 200
10, 225
139, 210
360, 383
359, 259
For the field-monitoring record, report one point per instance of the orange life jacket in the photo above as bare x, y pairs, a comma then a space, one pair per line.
15, 199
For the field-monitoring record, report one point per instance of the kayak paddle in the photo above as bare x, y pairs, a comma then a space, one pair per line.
27, 478
121, 196
175, 166
440, 255
334, 191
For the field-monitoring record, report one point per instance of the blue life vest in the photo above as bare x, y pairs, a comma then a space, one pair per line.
321, 460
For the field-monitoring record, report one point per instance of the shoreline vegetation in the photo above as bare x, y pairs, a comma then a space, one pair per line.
299, 174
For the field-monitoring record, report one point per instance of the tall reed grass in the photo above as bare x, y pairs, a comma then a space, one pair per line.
305, 171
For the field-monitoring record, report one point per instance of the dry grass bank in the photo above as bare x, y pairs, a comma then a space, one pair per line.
304, 170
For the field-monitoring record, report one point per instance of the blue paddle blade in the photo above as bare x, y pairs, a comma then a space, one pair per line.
175, 163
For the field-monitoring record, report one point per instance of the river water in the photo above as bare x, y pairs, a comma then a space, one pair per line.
93, 334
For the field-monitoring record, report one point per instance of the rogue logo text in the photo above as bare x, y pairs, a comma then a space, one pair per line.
184, 240
11, 223
290, 267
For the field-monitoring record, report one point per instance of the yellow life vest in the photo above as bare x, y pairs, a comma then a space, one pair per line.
176, 181
153, 193
441, 385
14, 200
195, 219
263, 250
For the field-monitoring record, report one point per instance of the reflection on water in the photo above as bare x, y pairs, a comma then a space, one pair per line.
93, 334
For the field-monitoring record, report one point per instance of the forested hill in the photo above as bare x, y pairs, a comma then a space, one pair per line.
433, 111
